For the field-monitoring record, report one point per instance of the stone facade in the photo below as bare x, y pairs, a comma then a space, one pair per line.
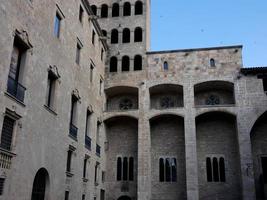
195, 110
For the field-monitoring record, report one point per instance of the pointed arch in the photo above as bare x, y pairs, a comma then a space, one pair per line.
40, 185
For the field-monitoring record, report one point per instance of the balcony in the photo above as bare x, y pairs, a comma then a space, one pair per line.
73, 131
5, 159
15, 89
98, 150
88, 142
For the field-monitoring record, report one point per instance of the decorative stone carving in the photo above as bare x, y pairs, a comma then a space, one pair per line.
54, 70
126, 104
166, 102
23, 36
213, 100
76, 94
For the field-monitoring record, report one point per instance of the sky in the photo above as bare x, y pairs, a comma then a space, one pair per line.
182, 24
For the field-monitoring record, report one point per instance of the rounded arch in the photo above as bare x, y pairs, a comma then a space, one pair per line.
126, 9
138, 8
258, 121
165, 114
223, 113
113, 66
125, 64
114, 36
126, 35
118, 116
138, 34
104, 11
115, 10
40, 189
138, 62
94, 9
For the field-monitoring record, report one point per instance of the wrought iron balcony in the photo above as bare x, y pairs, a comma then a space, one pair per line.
98, 150
73, 131
15, 89
88, 142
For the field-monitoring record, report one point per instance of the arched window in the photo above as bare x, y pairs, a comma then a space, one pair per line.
115, 10
94, 9
119, 169
125, 169
222, 170
138, 8
125, 64
126, 9
168, 170
212, 63
138, 35
166, 66
161, 170
104, 33
131, 169
209, 169
137, 62
104, 11
126, 35
40, 185
114, 36
215, 170
174, 170
113, 64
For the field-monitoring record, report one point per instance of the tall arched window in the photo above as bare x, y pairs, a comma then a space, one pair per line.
168, 170
104, 11
131, 169
212, 63
138, 8
119, 169
126, 35
161, 170
138, 35
137, 62
215, 170
125, 169
222, 170
166, 66
104, 33
173, 170
94, 9
209, 169
40, 185
125, 64
126, 9
114, 36
115, 10
113, 64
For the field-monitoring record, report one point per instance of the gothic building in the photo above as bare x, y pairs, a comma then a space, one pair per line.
90, 113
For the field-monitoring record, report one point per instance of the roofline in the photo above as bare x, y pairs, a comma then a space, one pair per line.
195, 49
254, 70
95, 22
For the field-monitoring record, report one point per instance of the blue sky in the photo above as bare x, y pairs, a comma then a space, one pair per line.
181, 24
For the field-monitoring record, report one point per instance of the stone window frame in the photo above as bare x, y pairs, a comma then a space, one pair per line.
164, 169
218, 157
58, 13
129, 173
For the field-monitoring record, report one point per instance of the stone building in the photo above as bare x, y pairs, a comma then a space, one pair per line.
89, 112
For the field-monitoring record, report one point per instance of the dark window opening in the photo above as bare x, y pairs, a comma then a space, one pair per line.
39, 185
52, 78
83, 197
161, 170
81, 12
104, 11
215, 170
174, 170
7, 133
119, 169
78, 53
131, 169
96, 173
73, 117
102, 54
84, 167
126, 35
138, 35
94, 9
222, 170
125, 169
212, 63
68, 168
2, 182
126, 9
165, 66
209, 169
114, 36
264, 81
113, 64
115, 10
137, 63
93, 37
264, 169
67, 193
138, 8
168, 170
57, 25
125, 64
104, 33
91, 73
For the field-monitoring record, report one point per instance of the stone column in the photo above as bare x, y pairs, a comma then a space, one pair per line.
144, 147
190, 144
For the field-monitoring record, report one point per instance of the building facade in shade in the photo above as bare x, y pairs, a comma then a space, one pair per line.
88, 112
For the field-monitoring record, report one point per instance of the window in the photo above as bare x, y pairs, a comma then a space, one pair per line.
67, 195
91, 73
96, 173
2, 182
113, 67
126, 9
7, 133
83, 197
126, 35
167, 170
137, 62
138, 8
115, 10
215, 169
104, 11
103, 176
94, 9
87, 130
85, 167
51, 88
138, 34
125, 64
81, 14
125, 169
78, 52
93, 37
57, 25
264, 81
100, 87
102, 53
114, 36
104, 33
212, 63
69, 155
17, 64
73, 116
165, 66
